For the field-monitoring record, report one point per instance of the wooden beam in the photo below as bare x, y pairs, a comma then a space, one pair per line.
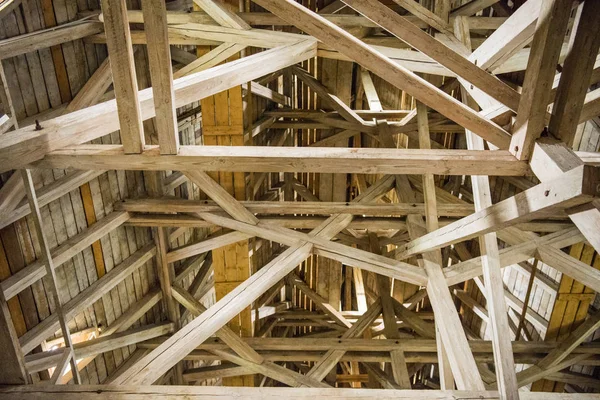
214, 57
206, 245
25, 145
45, 38
219, 392
575, 187
120, 52
426, 16
403, 79
576, 73
149, 368
471, 8
45, 360
319, 301
494, 286
226, 334
221, 14
512, 255
332, 357
221, 197
511, 36
551, 156
102, 392
332, 100
296, 159
269, 94
541, 67
161, 74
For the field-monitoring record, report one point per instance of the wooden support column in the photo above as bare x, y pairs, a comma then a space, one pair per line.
541, 67
488, 243
159, 59
120, 52
576, 73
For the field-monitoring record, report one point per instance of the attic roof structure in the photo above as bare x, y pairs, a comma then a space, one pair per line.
281, 199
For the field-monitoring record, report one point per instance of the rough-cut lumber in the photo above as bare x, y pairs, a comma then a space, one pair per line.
120, 53
159, 60
576, 73
296, 159
48, 37
46, 258
169, 205
545, 50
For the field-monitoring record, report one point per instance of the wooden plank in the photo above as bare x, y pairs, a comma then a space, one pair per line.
233, 340
494, 285
210, 59
206, 245
87, 297
221, 197
319, 301
332, 357
297, 159
545, 50
120, 53
426, 16
45, 360
472, 7
47, 37
568, 191
71, 392
221, 14
161, 74
511, 36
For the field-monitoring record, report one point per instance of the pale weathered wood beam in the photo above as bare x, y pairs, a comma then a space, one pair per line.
290, 159
274, 393
573, 188
545, 50
161, 74
576, 73
120, 53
